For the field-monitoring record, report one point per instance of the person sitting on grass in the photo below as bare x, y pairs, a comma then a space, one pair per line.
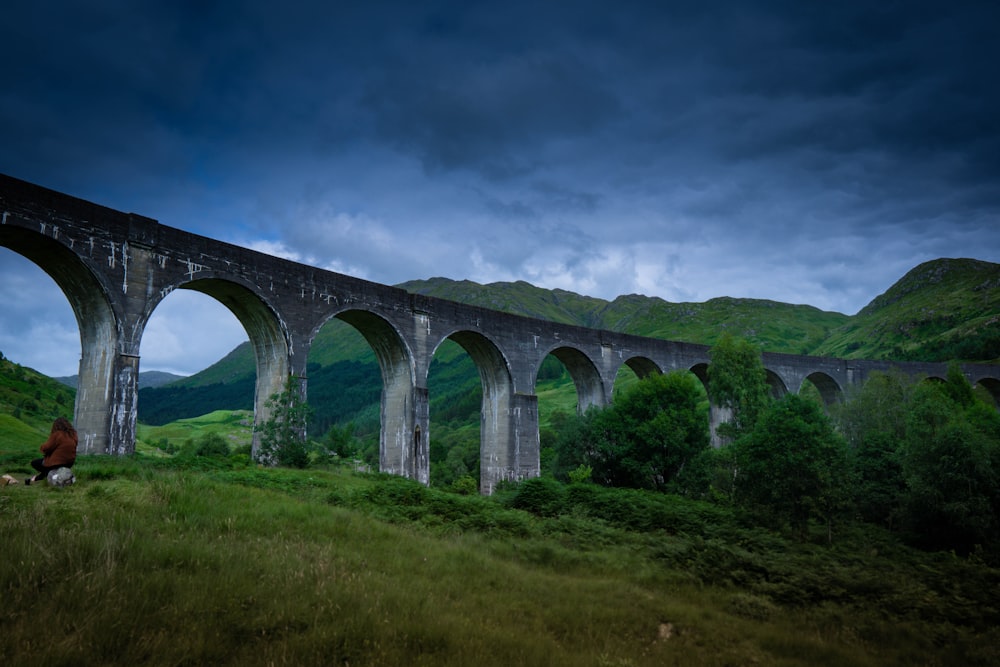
59, 450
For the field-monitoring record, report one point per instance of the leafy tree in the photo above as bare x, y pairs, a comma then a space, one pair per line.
282, 435
572, 441
793, 465
873, 421
342, 441
957, 387
737, 381
926, 457
948, 463
454, 454
646, 439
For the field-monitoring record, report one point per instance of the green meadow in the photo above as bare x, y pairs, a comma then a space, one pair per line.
184, 560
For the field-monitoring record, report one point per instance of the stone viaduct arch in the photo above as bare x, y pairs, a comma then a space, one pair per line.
590, 389
264, 329
90, 298
500, 441
115, 268
403, 446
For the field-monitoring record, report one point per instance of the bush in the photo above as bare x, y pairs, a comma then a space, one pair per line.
213, 445
542, 496
465, 485
582, 474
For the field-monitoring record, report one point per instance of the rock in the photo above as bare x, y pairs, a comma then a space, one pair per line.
61, 477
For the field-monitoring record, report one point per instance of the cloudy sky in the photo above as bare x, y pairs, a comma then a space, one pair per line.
806, 152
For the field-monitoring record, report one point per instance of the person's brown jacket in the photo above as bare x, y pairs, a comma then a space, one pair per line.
59, 449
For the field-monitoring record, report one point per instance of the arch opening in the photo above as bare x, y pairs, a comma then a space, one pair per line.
776, 384
989, 387
402, 408
38, 328
829, 391
700, 371
581, 370
345, 390
633, 370
99, 352
566, 383
717, 414
187, 374
455, 398
499, 447
267, 336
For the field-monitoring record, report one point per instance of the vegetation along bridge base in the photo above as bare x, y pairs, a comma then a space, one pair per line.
115, 268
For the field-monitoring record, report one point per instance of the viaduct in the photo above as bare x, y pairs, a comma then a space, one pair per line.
115, 268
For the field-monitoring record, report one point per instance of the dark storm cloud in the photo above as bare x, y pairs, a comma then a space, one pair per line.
805, 152
490, 117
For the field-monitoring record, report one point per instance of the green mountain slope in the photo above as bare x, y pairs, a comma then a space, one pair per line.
29, 402
941, 310
519, 298
776, 327
146, 379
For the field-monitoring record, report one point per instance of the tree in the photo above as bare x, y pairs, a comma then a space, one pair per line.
947, 461
646, 439
873, 421
957, 387
342, 441
793, 465
926, 458
282, 435
737, 381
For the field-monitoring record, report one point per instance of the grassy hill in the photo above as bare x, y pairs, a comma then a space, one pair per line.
941, 310
33, 398
776, 327
211, 561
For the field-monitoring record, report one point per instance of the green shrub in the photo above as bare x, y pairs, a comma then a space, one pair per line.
465, 485
581, 474
542, 496
212, 445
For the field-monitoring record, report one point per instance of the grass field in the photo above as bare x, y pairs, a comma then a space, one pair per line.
236, 426
164, 561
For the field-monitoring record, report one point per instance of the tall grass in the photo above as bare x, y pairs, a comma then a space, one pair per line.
146, 561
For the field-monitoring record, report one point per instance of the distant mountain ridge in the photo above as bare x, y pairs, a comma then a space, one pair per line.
146, 379
940, 310
775, 326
